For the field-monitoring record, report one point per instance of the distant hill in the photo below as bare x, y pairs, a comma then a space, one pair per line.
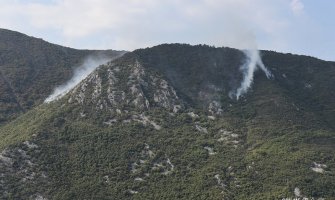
30, 68
158, 123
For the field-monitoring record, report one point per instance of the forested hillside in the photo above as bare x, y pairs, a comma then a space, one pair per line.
158, 123
30, 68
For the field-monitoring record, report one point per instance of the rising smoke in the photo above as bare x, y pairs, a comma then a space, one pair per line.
241, 35
80, 73
253, 62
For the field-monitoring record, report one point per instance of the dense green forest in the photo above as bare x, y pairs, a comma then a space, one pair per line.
158, 123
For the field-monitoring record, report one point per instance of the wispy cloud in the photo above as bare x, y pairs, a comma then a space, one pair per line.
131, 24
136, 23
297, 7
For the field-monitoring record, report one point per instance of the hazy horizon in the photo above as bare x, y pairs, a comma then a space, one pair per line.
291, 26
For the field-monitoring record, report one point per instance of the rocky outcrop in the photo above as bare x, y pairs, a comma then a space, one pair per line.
118, 88
19, 161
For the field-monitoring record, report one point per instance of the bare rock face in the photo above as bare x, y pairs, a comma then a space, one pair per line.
118, 87
19, 161
215, 108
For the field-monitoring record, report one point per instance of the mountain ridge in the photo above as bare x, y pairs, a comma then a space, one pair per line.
158, 123
30, 68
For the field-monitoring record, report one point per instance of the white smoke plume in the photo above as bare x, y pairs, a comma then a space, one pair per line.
241, 34
252, 63
80, 73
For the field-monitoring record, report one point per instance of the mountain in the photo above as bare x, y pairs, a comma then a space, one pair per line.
158, 123
30, 68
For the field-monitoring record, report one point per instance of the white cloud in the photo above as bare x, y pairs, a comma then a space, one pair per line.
137, 23
297, 7
131, 24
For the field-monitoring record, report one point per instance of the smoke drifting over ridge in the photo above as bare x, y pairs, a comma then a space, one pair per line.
253, 62
240, 33
80, 73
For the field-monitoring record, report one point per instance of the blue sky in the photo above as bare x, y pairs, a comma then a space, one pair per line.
296, 26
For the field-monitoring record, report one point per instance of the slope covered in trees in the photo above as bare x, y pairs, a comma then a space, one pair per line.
158, 123
31, 68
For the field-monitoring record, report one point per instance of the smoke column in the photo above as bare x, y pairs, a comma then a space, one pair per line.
253, 62
89, 65
240, 34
